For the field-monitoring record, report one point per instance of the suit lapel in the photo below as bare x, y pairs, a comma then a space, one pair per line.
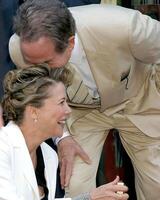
51, 164
28, 171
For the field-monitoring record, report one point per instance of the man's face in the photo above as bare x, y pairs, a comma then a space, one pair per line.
43, 51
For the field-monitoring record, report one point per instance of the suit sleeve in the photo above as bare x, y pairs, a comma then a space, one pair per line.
144, 38
7, 185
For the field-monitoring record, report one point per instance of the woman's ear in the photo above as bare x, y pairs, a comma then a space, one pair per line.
71, 42
33, 112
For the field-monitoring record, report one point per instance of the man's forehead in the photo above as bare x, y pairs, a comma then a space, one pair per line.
38, 51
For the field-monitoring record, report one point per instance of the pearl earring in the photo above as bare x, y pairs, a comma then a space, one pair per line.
35, 120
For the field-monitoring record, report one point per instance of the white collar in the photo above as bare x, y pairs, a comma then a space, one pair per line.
77, 52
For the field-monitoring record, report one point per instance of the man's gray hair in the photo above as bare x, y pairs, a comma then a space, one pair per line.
50, 18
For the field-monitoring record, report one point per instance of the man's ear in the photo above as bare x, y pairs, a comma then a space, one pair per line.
71, 42
15, 52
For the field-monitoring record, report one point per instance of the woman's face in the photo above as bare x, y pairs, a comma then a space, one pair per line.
52, 115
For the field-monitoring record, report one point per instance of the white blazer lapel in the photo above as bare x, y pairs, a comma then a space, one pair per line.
23, 163
29, 172
51, 164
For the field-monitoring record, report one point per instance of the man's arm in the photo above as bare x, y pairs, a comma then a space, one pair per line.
144, 38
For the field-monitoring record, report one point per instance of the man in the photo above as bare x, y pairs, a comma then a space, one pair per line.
115, 50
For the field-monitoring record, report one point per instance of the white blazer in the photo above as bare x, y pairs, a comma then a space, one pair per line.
17, 175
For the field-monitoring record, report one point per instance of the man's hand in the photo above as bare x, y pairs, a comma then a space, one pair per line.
68, 148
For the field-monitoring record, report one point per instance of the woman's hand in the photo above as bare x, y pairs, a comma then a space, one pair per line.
110, 191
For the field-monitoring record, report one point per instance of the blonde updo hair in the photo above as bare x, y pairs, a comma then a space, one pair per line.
29, 86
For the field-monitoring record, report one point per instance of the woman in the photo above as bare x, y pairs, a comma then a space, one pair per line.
35, 105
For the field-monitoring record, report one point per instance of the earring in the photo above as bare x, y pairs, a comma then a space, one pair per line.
35, 120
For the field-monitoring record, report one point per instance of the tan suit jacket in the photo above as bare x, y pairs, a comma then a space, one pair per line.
121, 45
118, 43
109, 1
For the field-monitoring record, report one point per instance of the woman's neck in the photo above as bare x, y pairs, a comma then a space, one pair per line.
33, 156
32, 138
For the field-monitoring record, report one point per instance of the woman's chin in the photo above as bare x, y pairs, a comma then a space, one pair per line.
58, 131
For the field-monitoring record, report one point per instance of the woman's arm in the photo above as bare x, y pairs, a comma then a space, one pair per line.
110, 191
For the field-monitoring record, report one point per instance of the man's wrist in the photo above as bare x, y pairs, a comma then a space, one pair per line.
58, 139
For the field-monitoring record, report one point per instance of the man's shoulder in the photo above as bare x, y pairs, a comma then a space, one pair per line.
101, 15
100, 8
